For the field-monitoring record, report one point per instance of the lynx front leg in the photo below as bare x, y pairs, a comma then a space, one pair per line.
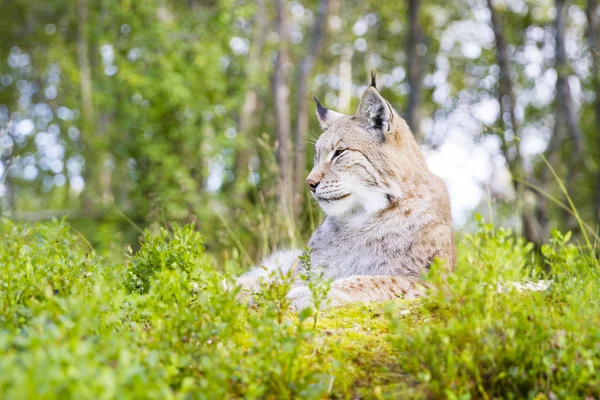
362, 288
367, 288
271, 268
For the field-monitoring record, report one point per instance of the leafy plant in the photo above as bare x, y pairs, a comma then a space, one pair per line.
317, 283
182, 249
480, 341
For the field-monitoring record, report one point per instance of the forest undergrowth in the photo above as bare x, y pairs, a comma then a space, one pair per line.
161, 324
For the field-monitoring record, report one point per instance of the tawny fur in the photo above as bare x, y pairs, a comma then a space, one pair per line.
388, 215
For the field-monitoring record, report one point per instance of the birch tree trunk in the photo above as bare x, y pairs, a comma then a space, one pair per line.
593, 26
346, 55
345, 73
552, 154
564, 98
306, 67
87, 105
7, 201
85, 73
248, 116
415, 67
532, 229
281, 93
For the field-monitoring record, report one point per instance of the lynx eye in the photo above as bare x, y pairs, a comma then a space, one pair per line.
338, 153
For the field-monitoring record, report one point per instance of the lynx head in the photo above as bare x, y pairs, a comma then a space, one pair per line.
362, 159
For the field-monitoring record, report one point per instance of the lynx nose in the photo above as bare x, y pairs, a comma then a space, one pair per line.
312, 185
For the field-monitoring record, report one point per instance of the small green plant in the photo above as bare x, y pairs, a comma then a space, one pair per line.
317, 283
181, 249
274, 291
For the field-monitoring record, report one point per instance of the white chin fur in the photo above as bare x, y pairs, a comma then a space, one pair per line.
358, 203
372, 200
338, 208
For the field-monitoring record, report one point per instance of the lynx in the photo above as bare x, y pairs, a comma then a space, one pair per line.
387, 215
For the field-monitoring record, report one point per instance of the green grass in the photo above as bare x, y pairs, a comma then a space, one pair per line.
161, 325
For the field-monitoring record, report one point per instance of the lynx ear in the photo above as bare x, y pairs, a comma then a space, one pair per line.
375, 111
326, 117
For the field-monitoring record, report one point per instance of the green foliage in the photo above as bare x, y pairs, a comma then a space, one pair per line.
169, 83
74, 325
65, 314
37, 267
273, 293
182, 249
485, 338
317, 283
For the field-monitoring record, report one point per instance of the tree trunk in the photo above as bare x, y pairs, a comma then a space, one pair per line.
347, 53
552, 154
87, 105
248, 116
281, 93
7, 206
105, 165
593, 26
532, 229
85, 72
306, 67
415, 67
345, 73
564, 98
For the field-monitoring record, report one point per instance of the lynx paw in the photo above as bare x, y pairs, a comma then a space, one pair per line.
301, 298
250, 285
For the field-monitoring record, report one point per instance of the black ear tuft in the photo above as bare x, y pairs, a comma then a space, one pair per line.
373, 79
320, 109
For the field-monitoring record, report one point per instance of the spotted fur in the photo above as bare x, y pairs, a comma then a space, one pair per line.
388, 215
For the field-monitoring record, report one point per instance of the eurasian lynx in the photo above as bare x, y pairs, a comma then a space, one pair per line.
388, 216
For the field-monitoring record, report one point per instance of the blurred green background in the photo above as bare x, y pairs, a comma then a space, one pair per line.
122, 115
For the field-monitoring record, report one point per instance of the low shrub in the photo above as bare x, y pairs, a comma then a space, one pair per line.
486, 338
161, 324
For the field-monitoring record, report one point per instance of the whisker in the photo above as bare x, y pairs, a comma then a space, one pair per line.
311, 138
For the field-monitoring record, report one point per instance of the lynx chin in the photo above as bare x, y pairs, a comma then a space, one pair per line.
388, 215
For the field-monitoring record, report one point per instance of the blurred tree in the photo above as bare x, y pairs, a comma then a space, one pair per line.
593, 32
305, 70
248, 119
281, 91
415, 67
565, 105
511, 148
